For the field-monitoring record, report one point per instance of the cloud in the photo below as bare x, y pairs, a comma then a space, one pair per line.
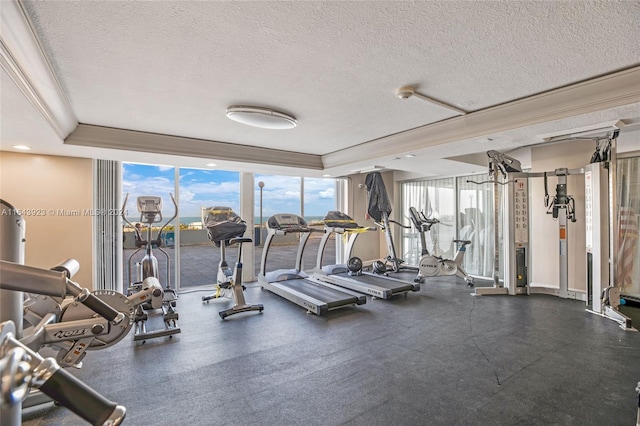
206, 188
328, 193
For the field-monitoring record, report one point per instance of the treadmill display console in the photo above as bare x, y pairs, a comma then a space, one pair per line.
287, 222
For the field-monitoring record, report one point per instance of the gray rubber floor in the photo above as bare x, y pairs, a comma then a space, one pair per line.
436, 357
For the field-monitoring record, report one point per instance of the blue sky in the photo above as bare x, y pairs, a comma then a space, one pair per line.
206, 188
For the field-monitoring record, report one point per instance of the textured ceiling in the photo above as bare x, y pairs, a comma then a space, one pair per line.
173, 67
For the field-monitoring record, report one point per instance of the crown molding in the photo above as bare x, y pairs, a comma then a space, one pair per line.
610, 91
129, 140
23, 59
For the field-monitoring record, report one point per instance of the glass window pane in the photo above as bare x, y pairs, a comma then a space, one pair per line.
137, 180
319, 199
476, 224
628, 210
436, 199
201, 189
279, 194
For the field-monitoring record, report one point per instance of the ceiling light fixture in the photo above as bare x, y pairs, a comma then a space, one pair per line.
410, 155
22, 147
326, 175
583, 132
211, 164
406, 92
264, 118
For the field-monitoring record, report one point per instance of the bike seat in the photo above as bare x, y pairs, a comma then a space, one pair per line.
240, 240
462, 241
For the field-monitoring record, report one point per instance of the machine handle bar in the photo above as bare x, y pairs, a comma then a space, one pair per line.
175, 214
73, 394
94, 303
45, 374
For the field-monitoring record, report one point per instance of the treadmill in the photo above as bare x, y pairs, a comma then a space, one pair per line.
379, 286
314, 295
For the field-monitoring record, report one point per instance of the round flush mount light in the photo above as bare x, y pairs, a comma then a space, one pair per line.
264, 118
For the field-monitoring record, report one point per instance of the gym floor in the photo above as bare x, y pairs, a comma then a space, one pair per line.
434, 357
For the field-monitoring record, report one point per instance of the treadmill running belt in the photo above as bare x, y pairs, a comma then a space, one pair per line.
394, 286
330, 296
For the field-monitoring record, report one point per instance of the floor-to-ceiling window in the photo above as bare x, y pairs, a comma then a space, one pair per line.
146, 180
276, 194
197, 190
628, 210
319, 198
465, 211
436, 199
475, 223
310, 198
202, 191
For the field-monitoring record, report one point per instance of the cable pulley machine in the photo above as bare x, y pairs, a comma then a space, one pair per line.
603, 295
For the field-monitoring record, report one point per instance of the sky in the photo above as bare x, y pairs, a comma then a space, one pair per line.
207, 188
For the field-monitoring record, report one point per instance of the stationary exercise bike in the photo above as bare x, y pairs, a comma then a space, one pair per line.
224, 227
150, 209
430, 265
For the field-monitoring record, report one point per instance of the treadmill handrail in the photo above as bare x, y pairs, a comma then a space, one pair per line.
292, 230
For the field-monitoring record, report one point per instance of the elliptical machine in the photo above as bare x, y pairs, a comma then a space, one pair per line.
430, 265
150, 209
224, 227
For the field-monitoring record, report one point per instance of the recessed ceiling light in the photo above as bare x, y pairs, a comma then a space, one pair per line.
263, 118
409, 155
326, 175
22, 147
212, 165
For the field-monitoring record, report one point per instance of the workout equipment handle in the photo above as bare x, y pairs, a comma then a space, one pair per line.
73, 394
95, 304
16, 277
239, 240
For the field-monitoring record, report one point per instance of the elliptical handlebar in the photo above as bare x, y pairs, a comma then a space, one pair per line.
175, 214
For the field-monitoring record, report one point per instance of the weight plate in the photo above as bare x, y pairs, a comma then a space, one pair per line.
116, 300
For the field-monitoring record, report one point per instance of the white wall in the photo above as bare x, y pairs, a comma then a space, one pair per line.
370, 245
544, 238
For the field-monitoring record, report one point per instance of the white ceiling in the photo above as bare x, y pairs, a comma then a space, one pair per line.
172, 68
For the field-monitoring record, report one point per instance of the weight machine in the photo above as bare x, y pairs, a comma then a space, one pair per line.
20, 365
22, 368
602, 296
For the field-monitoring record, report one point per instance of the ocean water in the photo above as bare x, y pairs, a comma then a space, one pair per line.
197, 219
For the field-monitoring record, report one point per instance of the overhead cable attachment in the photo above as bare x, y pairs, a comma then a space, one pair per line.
499, 162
